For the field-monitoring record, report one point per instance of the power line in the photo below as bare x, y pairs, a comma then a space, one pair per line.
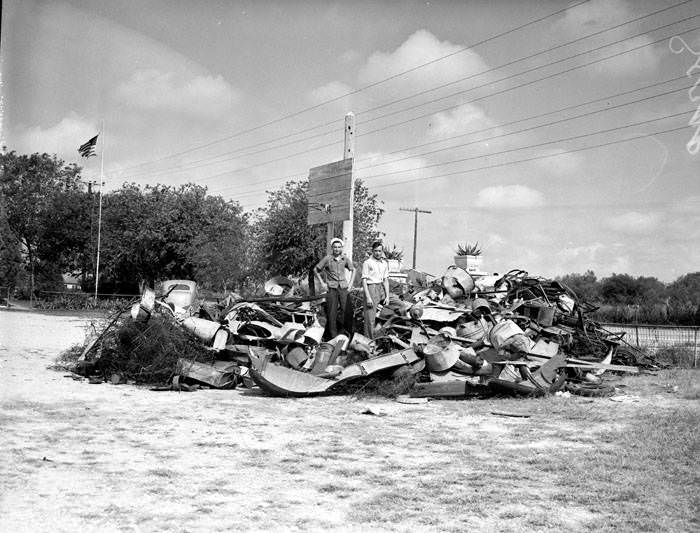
502, 135
525, 119
192, 165
532, 81
531, 128
534, 158
239, 150
452, 107
541, 52
538, 145
473, 100
505, 152
364, 88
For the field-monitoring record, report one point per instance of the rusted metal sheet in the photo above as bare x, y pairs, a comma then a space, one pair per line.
441, 389
282, 381
220, 374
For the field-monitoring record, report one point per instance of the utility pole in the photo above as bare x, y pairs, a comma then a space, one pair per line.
349, 153
415, 211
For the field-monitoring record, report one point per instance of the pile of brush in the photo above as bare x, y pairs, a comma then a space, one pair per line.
141, 352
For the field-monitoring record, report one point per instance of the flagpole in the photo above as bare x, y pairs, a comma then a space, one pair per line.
99, 216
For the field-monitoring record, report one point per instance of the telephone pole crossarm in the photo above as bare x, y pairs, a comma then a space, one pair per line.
415, 212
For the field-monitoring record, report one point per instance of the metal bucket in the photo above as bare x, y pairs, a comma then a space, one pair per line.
503, 331
296, 357
323, 356
457, 282
440, 353
473, 331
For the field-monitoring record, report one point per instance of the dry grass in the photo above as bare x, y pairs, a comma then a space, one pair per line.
128, 459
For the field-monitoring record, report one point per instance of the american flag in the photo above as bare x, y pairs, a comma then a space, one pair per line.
88, 149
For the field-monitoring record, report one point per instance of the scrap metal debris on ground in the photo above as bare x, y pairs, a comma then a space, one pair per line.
459, 336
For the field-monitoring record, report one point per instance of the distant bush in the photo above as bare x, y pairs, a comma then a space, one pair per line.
659, 314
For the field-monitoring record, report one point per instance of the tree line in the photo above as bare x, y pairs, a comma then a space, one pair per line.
49, 227
643, 299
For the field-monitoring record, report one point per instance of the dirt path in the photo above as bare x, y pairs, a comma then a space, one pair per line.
81, 457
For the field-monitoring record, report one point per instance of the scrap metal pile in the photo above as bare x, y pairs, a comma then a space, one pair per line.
455, 337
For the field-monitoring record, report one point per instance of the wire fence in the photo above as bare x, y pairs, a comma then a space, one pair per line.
655, 337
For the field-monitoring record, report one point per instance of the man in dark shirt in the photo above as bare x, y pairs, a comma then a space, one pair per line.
332, 270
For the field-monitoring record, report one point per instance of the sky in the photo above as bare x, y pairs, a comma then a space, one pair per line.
562, 136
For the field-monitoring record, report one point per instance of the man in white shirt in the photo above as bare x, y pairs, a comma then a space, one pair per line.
375, 284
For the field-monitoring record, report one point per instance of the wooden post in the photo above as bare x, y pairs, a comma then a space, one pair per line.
349, 153
695, 345
330, 230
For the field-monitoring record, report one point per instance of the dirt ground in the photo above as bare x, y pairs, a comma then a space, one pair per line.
82, 457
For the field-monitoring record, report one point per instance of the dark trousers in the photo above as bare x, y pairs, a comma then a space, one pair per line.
336, 303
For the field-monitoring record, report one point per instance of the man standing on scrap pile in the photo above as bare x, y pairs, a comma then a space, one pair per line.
332, 270
375, 282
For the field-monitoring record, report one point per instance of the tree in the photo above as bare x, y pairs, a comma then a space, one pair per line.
684, 298
624, 289
64, 239
286, 244
585, 285
29, 186
163, 232
367, 211
10, 253
220, 247
685, 291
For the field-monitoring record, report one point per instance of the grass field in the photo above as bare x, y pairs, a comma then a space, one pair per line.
87, 457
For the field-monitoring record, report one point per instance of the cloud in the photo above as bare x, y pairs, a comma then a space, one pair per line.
620, 263
574, 253
62, 138
195, 96
391, 168
634, 222
495, 240
509, 197
350, 56
601, 14
595, 15
645, 59
560, 163
689, 205
464, 119
329, 91
420, 48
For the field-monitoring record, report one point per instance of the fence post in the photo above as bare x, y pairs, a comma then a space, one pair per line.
695, 349
636, 332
